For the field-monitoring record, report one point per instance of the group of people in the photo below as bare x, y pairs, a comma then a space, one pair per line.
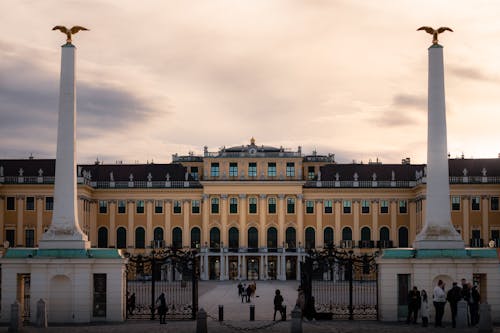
418, 301
246, 292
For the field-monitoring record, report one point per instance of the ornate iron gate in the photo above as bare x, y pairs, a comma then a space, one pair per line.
340, 284
170, 271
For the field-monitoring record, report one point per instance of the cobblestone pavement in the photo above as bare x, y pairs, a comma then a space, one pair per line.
236, 316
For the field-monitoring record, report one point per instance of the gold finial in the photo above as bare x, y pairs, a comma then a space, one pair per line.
252, 141
69, 32
434, 32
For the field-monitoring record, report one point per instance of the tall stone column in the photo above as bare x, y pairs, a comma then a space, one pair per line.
20, 221
375, 212
262, 221
438, 231
64, 231
186, 235
243, 221
205, 211
319, 224
39, 218
168, 222
149, 222
337, 234
300, 220
130, 224
281, 219
112, 224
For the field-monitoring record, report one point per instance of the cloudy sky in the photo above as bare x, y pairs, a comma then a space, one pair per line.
161, 77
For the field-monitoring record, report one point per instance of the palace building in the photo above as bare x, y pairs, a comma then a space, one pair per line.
251, 211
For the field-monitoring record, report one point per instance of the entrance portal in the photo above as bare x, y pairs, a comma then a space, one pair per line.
291, 268
253, 268
214, 268
233, 268
272, 263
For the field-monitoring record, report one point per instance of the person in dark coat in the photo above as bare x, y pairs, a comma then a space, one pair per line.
243, 293
249, 292
278, 304
475, 299
414, 301
162, 308
453, 296
240, 289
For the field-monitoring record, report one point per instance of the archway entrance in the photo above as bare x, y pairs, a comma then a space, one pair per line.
253, 268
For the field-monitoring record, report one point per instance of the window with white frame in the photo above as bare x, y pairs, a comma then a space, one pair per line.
328, 206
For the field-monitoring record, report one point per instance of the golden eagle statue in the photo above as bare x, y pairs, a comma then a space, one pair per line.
434, 32
69, 32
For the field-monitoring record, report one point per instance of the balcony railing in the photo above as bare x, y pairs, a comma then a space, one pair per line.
346, 244
366, 244
476, 242
384, 244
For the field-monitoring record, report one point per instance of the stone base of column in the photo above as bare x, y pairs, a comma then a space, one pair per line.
64, 244
439, 237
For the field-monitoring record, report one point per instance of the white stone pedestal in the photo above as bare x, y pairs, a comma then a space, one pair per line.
65, 280
426, 267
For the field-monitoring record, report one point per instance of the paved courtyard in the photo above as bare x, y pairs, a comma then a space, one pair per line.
236, 316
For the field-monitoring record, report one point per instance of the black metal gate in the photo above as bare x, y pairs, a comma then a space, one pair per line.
340, 284
171, 271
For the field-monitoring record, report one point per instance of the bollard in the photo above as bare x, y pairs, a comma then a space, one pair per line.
461, 314
296, 326
283, 314
485, 325
41, 314
221, 312
201, 321
16, 319
252, 312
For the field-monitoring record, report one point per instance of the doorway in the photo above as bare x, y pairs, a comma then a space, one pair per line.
291, 268
253, 268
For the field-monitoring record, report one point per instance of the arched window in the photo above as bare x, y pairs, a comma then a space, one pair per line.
102, 237
272, 238
346, 233
310, 238
234, 239
290, 238
177, 238
214, 238
403, 237
121, 238
158, 237
253, 238
365, 234
195, 238
140, 238
384, 234
328, 236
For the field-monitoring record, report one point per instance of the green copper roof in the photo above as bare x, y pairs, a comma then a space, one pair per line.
440, 253
18, 253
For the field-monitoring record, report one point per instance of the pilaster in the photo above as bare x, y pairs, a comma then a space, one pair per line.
485, 220
130, 223
466, 219
168, 222
20, 221
355, 233
337, 235
375, 212
281, 219
112, 224
243, 220
393, 209
205, 211
149, 222
187, 231
300, 219
319, 223
262, 221
39, 219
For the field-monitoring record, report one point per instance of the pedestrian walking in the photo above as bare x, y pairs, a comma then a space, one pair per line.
413, 305
466, 291
130, 304
301, 301
439, 300
424, 308
475, 299
453, 296
240, 287
248, 292
243, 293
162, 308
278, 304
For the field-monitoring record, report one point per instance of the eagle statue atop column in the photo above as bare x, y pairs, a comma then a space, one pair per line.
434, 32
69, 32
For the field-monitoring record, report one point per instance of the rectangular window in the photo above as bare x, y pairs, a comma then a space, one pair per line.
494, 203
290, 206
10, 236
252, 169
158, 207
271, 169
403, 207
328, 206
99, 303
122, 206
384, 207
214, 170
252, 205
195, 206
347, 206
49, 203
365, 207
309, 207
271, 206
233, 205
29, 238
139, 206
103, 207
455, 203
475, 203
290, 169
194, 173
233, 169
177, 207
30, 203
11, 203
215, 205
310, 173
